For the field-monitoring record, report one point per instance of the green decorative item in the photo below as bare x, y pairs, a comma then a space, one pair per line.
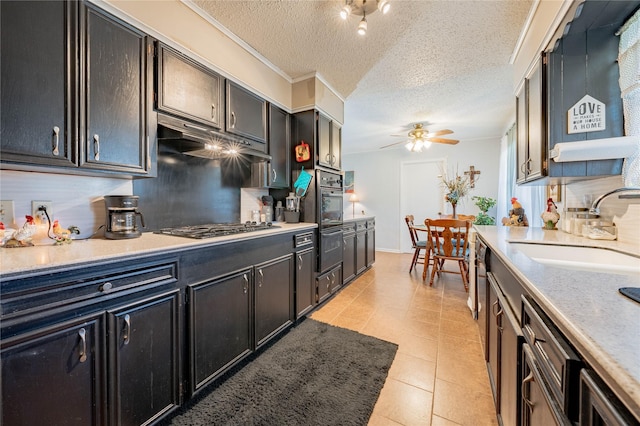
484, 204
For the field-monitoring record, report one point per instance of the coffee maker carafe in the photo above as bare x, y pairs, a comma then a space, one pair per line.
122, 212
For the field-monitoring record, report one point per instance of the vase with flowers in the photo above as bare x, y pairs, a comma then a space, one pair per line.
457, 187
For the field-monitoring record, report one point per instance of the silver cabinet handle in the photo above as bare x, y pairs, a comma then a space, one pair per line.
148, 155
96, 147
56, 140
300, 262
333, 278
327, 158
328, 282
127, 329
245, 287
261, 280
333, 159
213, 111
233, 120
83, 344
525, 395
275, 175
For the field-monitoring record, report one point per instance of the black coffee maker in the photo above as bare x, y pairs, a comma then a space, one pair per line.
121, 216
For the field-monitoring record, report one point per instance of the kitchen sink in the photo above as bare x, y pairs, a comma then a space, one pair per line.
580, 257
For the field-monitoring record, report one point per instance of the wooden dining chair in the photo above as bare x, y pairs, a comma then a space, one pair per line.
417, 244
448, 239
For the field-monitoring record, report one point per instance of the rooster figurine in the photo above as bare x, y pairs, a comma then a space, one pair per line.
516, 215
22, 237
551, 216
62, 235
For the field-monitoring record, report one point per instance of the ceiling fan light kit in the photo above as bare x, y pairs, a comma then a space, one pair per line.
363, 8
420, 138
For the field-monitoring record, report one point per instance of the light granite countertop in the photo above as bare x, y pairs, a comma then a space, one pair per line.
47, 257
602, 324
357, 218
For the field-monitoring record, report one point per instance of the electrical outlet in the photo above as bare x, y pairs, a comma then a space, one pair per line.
38, 214
7, 213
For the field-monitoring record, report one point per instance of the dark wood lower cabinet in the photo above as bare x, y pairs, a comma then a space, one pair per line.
273, 298
305, 281
54, 373
504, 340
219, 325
329, 282
143, 339
349, 256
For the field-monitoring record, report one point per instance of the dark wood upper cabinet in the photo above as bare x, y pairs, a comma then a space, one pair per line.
279, 147
113, 117
531, 123
38, 82
188, 89
246, 114
75, 90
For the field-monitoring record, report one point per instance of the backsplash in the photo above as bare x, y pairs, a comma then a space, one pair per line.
77, 200
626, 212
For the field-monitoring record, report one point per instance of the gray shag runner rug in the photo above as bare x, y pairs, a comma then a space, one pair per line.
315, 374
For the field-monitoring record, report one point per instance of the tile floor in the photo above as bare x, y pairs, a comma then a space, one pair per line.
438, 376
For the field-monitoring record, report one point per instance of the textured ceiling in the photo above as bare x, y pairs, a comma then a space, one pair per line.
443, 63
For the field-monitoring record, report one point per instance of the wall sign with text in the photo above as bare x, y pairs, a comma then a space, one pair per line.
587, 115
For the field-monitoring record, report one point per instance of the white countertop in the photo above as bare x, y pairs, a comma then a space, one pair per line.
44, 257
602, 324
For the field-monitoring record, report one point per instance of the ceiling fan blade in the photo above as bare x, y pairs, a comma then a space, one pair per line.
443, 140
392, 144
441, 132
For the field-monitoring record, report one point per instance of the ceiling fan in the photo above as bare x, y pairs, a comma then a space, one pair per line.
420, 138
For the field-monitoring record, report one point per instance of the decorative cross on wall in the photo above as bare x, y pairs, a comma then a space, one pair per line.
472, 175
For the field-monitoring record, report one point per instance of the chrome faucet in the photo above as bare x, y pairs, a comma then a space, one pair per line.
595, 207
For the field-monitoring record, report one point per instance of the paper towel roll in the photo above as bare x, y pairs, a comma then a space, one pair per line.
595, 149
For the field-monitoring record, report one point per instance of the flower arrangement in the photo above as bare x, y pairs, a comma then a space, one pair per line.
457, 187
484, 204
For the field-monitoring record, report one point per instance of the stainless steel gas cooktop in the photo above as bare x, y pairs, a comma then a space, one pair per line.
215, 229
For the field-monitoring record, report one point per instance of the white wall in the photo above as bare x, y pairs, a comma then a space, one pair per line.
377, 183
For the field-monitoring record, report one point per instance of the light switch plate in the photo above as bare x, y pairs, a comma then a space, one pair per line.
7, 213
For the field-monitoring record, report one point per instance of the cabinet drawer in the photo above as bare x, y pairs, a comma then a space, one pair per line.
349, 228
562, 364
304, 240
66, 290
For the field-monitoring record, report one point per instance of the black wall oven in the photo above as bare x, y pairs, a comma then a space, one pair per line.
323, 204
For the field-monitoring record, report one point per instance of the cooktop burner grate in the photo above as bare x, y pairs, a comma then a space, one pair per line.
215, 229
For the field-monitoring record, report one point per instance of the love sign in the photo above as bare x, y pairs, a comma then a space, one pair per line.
587, 115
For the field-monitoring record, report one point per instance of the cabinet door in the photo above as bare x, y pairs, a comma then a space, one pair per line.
361, 251
188, 89
510, 347
348, 257
336, 146
246, 114
324, 141
273, 298
323, 283
113, 115
371, 246
536, 124
55, 375
143, 341
219, 324
305, 288
522, 123
38, 77
537, 405
279, 147
494, 325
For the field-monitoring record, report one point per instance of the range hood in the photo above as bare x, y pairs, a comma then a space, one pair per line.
205, 142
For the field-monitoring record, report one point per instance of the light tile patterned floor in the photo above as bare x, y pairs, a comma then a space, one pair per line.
438, 376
